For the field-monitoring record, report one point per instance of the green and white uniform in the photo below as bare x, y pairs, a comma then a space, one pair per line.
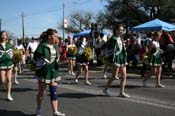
155, 58
71, 56
81, 59
46, 59
6, 55
117, 54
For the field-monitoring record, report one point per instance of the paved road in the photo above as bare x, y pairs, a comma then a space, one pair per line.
84, 100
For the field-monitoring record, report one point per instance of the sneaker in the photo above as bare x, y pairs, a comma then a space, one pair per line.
20, 72
124, 95
38, 112
58, 114
9, 98
160, 86
73, 74
106, 92
116, 77
88, 83
105, 76
69, 72
76, 81
16, 82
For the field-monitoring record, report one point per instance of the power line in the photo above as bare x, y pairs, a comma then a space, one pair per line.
23, 16
45, 11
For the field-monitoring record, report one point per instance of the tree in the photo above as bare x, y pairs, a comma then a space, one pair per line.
163, 9
79, 21
133, 12
11, 35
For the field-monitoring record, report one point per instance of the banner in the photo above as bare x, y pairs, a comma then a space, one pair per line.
65, 23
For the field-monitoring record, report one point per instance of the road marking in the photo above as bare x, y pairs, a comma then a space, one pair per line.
132, 99
99, 92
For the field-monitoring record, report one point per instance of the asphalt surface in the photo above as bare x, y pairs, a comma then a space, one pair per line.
84, 100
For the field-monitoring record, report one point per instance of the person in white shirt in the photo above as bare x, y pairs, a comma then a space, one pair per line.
21, 48
19, 65
32, 47
98, 46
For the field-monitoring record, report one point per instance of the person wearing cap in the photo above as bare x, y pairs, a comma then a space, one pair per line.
133, 52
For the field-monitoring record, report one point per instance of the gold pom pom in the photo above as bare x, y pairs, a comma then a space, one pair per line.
17, 56
145, 58
88, 53
72, 50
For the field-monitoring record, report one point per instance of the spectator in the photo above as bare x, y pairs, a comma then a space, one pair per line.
31, 47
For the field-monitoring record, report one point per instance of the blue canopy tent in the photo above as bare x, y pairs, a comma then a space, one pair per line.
86, 34
83, 33
155, 24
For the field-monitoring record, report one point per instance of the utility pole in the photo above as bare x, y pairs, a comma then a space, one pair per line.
127, 18
22, 27
0, 24
63, 18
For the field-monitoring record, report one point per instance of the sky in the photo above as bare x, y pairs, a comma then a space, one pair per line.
41, 14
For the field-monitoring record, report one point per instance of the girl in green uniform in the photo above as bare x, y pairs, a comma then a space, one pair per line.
6, 64
155, 60
82, 61
46, 62
118, 58
71, 55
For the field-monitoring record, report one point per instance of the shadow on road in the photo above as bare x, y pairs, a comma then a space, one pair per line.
14, 113
20, 90
78, 95
127, 86
26, 77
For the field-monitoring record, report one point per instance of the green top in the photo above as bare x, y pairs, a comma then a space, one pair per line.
117, 55
6, 55
45, 68
113, 46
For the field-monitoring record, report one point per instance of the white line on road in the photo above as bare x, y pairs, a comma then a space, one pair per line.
132, 99
99, 92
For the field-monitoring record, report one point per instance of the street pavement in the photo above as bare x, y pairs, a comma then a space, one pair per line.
84, 100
